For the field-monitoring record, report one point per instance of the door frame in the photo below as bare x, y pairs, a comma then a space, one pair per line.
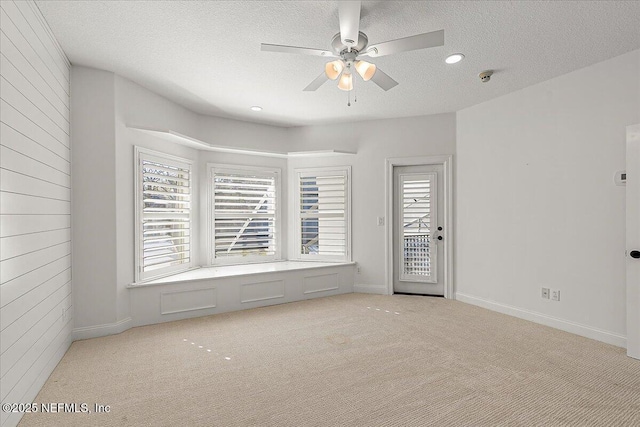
633, 288
447, 165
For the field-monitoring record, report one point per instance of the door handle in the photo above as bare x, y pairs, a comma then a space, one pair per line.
635, 254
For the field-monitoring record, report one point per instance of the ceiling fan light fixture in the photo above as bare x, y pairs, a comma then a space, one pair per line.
333, 69
351, 43
454, 58
346, 82
365, 69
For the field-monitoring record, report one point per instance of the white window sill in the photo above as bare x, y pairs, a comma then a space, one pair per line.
218, 272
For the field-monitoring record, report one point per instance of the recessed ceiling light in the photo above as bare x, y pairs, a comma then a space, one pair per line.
256, 108
452, 59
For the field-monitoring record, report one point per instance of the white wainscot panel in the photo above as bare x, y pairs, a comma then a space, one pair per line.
207, 291
320, 283
261, 291
172, 302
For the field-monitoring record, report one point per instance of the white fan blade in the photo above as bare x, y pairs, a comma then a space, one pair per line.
293, 49
349, 14
420, 41
319, 81
383, 80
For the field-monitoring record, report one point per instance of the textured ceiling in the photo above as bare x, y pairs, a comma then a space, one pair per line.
206, 55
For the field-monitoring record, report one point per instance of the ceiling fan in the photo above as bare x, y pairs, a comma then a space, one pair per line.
350, 44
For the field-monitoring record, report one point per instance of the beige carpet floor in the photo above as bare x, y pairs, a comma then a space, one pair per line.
350, 360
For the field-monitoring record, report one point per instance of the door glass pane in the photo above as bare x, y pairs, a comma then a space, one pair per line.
417, 219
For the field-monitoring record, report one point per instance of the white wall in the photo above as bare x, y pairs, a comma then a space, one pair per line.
221, 131
374, 141
536, 202
94, 195
35, 207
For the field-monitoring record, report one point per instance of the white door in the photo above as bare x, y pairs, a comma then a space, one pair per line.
418, 249
633, 241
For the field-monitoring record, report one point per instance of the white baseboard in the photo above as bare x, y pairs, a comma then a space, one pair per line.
87, 332
543, 319
370, 289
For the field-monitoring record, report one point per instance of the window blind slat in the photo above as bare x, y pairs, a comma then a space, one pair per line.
169, 255
226, 215
266, 181
254, 248
150, 164
163, 264
223, 192
326, 215
180, 196
256, 198
170, 186
159, 179
245, 252
151, 239
221, 235
240, 184
181, 209
167, 201
249, 205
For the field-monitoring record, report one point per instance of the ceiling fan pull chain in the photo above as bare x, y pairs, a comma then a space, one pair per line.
355, 93
349, 99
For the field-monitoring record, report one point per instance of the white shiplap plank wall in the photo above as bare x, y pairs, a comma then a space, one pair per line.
35, 204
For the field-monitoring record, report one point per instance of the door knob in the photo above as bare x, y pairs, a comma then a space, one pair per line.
635, 254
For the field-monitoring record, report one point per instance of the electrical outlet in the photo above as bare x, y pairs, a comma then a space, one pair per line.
358, 270
380, 221
555, 295
545, 293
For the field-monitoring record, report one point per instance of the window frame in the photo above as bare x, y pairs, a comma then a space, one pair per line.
240, 169
298, 173
141, 154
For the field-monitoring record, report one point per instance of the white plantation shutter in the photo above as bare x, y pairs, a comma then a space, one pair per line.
245, 207
418, 248
164, 214
323, 214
